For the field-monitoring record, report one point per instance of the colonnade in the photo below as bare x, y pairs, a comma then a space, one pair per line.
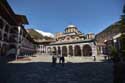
79, 49
41, 48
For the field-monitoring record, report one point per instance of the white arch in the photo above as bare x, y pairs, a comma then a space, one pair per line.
81, 45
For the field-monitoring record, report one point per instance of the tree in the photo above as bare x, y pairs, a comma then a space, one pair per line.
122, 30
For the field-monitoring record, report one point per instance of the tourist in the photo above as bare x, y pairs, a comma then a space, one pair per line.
60, 58
54, 59
63, 60
94, 58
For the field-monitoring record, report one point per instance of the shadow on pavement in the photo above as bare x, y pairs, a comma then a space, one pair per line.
44, 72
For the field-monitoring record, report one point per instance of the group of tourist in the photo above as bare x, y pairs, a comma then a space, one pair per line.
61, 60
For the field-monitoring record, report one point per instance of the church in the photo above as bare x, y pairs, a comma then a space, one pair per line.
72, 42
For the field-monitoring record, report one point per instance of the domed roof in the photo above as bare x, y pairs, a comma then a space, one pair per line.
71, 26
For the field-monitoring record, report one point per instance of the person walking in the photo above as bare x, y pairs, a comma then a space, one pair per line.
63, 60
94, 58
60, 60
54, 59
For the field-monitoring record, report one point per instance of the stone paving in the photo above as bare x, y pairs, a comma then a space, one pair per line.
40, 70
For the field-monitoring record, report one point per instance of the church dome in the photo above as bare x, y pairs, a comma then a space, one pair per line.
71, 26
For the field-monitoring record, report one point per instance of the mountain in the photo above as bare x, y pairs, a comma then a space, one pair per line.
39, 35
34, 34
45, 33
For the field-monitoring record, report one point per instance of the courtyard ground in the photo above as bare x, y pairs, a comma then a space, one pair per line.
39, 69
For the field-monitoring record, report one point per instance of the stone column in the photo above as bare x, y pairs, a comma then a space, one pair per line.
67, 50
73, 50
41, 49
57, 50
45, 50
8, 34
61, 50
94, 51
101, 49
81, 50
3, 31
48, 50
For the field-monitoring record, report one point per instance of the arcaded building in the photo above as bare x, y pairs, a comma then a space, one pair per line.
14, 40
73, 42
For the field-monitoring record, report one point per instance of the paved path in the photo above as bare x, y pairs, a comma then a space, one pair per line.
40, 70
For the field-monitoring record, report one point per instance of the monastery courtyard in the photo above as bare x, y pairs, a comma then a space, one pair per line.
39, 69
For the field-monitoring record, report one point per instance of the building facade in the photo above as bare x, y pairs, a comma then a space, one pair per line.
108, 37
72, 42
114, 35
41, 46
14, 40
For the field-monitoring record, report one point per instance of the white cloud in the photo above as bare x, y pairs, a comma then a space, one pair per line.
44, 33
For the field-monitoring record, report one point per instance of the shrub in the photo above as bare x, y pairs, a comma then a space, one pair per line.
114, 54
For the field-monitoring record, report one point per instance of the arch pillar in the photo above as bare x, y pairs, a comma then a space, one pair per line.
73, 47
3, 30
81, 46
8, 33
46, 50
67, 49
101, 49
41, 48
61, 50
57, 50
94, 50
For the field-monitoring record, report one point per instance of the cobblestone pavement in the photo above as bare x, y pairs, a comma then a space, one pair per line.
40, 70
